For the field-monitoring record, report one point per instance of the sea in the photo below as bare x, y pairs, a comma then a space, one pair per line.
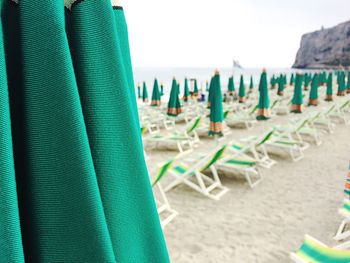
202, 75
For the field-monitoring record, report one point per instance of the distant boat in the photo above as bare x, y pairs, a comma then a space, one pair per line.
236, 64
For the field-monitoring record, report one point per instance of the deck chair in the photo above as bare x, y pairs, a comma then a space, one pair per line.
283, 141
320, 121
300, 130
256, 150
185, 140
165, 212
339, 112
242, 118
313, 251
342, 233
238, 161
191, 173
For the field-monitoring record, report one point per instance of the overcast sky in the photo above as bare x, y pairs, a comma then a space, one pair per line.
203, 33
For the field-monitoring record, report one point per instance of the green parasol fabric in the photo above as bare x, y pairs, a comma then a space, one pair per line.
341, 84
186, 91
161, 89
231, 85
251, 85
155, 94
273, 82
281, 85
329, 92
216, 108
241, 91
138, 91
144, 92
313, 96
292, 80
297, 101
174, 105
264, 110
195, 89
74, 184
348, 83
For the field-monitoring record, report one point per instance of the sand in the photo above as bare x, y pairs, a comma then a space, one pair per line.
266, 223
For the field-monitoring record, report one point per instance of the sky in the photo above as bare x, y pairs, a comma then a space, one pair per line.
203, 33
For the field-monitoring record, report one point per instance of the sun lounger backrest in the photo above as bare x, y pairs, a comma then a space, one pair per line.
213, 158
266, 138
195, 125
314, 251
162, 171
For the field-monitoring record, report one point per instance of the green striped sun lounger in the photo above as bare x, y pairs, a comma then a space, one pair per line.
165, 212
239, 162
313, 251
191, 173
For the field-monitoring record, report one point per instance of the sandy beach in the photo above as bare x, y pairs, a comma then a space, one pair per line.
263, 224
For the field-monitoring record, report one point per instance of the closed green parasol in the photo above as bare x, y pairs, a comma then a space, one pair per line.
174, 105
186, 91
251, 85
313, 96
216, 109
264, 111
144, 92
297, 101
231, 86
281, 85
241, 91
155, 94
138, 91
329, 92
341, 84
161, 89
74, 184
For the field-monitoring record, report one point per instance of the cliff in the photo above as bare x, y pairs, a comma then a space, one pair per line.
326, 48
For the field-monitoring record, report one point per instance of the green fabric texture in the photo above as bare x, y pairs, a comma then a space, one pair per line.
144, 92
216, 108
10, 232
241, 92
298, 92
348, 83
231, 85
82, 185
264, 100
155, 92
314, 88
329, 90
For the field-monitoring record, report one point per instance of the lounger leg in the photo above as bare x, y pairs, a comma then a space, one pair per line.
341, 235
